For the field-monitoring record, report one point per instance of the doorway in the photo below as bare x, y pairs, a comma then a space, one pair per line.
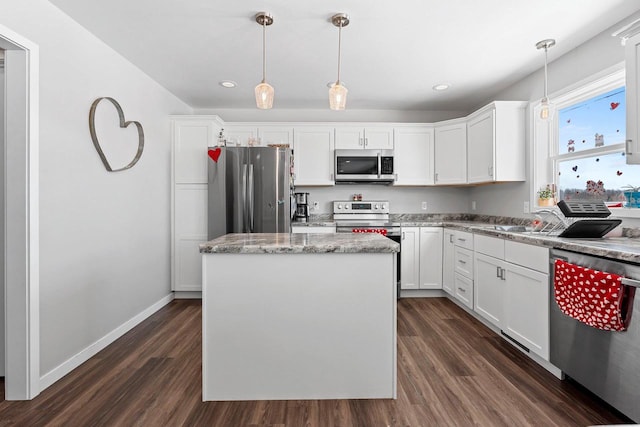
20, 223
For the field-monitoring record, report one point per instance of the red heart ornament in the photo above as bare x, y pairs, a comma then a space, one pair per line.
215, 154
614, 105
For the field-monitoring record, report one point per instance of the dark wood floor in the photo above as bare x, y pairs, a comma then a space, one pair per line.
451, 371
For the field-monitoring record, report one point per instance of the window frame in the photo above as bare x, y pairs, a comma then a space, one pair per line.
545, 135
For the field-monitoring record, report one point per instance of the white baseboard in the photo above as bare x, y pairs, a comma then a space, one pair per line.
187, 295
422, 293
74, 361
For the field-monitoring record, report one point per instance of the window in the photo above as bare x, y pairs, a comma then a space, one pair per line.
581, 152
590, 161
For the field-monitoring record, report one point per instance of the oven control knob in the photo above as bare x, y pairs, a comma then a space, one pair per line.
340, 206
376, 206
346, 206
383, 206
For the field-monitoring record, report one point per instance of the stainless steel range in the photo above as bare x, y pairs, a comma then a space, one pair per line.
367, 217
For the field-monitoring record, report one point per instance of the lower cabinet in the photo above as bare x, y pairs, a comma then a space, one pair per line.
448, 254
421, 258
410, 258
464, 290
431, 257
511, 290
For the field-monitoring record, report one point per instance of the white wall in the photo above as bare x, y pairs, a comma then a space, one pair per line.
601, 52
104, 237
401, 199
2, 310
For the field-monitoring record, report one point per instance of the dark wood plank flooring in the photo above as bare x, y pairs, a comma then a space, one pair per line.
452, 371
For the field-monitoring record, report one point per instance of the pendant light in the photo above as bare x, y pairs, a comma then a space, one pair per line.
338, 92
264, 91
546, 107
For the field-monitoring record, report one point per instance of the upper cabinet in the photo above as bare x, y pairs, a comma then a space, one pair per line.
413, 155
356, 137
270, 134
496, 143
450, 153
632, 52
313, 155
191, 137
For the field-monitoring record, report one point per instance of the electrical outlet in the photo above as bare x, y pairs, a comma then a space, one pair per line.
525, 207
473, 205
424, 206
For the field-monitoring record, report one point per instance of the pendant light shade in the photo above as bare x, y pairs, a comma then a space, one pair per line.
547, 109
338, 92
264, 91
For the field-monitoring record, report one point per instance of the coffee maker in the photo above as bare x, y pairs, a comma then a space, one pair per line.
301, 213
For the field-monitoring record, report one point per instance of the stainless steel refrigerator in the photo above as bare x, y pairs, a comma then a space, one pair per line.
250, 190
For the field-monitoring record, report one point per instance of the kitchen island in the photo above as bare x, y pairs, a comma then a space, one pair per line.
299, 316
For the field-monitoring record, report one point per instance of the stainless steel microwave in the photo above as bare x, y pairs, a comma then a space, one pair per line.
364, 166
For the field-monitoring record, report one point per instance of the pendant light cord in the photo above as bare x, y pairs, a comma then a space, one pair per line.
339, 50
264, 50
545, 72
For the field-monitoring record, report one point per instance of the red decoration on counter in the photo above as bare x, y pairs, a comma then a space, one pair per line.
370, 230
593, 297
215, 154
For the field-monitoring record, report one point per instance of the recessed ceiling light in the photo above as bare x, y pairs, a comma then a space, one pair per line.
333, 82
440, 87
228, 84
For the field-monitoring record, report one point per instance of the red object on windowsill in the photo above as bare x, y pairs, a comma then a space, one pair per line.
370, 230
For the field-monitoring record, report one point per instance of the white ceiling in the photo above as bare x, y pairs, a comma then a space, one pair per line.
393, 52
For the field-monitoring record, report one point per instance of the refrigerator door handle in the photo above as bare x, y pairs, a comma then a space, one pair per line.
250, 190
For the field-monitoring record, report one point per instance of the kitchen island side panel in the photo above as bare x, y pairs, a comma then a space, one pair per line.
299, 326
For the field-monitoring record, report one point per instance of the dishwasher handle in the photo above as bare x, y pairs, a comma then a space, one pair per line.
630, 282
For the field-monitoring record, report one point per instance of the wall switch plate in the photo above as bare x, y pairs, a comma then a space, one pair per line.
525, 207
473, 205
424, 206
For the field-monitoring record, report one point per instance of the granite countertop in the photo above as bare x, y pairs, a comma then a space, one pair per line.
314, 224
314, 243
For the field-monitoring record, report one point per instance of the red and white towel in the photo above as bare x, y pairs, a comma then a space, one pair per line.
593, 297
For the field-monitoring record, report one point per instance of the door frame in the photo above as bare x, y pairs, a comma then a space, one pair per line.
22, 306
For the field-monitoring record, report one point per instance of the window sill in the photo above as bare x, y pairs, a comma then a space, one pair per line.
625, 212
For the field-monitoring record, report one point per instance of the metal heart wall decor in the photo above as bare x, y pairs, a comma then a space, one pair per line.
123, 124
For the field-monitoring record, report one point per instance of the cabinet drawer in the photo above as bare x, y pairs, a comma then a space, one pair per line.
530, 256
463, 259
491, 246
463, 239
464, 290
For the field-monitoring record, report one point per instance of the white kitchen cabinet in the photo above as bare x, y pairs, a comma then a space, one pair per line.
489, 288
356, 137
410, 259
527, 308
270, 134
430, 257
464, 290
191, 136
632, 57
496, 143
413, 155
448, 261
313, 155
238, 135
450, 153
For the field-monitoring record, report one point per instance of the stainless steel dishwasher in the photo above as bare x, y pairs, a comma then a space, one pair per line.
607, 363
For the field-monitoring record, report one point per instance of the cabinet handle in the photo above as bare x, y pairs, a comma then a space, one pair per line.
461, 239
450, 238
498, 274
435, 177
502, 270
331, 177
491, 171
462, 289
366, 142
627, 147
403, 235
462, 262
630, 282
